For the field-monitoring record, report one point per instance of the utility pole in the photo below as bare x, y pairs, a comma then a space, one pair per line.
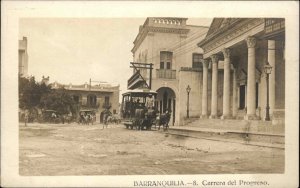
90, 84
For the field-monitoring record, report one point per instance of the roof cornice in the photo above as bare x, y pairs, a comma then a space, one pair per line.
219, 32
162, 25
148, 29
227, 33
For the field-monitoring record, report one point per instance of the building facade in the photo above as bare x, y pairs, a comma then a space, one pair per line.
23, 57
170, 45
225, 72
96, 97
234, 83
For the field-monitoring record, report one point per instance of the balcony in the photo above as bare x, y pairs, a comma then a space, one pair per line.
274, 25
166, 73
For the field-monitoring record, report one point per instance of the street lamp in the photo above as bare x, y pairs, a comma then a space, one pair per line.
267, 70
188, 90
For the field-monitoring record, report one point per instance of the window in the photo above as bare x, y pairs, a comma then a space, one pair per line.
168, 65
162, 65
91, 100
197, 60
166, 58
106, 100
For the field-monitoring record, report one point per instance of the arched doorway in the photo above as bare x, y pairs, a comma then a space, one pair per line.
166, 101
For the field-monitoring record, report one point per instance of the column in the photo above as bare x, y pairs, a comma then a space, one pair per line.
204, 89
226, 85
234, 94
251, 108
271, 60
214, 89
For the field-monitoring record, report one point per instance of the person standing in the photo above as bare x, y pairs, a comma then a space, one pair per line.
149, 102
26, 116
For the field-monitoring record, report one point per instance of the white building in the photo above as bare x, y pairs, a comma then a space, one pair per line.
226, 78
171, 46
23, 57
237, 49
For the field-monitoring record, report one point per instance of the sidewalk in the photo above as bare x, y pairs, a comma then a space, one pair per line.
219, 130
257, 138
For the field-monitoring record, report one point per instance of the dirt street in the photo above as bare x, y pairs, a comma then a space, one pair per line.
56, 149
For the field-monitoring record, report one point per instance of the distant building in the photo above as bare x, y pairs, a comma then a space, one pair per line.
171, 46
23, 57
96, 97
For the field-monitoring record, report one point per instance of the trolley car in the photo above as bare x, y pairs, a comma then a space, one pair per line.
138, 109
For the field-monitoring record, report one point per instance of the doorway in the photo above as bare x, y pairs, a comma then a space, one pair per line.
242, 97
165, 102
166, 97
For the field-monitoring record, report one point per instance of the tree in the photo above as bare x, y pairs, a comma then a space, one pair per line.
31, 92
60, 101
33, 95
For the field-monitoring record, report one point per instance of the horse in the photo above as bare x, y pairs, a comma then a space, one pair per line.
84, 119
109, 119
91, 118
113, 119
144, 118
106, 119
139, 118
68, 119
163, 120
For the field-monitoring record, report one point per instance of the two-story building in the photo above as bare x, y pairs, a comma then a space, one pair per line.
170, 44
87, 96
226, 72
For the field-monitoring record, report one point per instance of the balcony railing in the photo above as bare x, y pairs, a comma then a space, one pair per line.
166, 73
274, 25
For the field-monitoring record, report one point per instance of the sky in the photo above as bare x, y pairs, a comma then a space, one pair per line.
70, 50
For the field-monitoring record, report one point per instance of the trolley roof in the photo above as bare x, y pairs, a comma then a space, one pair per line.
139, 91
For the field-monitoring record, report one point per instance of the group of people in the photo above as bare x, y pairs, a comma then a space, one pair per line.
87, 118
106, 117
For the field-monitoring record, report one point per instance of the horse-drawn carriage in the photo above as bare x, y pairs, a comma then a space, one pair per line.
139, 111
87, 117
51, 116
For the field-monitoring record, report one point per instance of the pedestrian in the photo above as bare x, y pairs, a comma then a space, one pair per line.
63, 118
105, 119
149, 102
26, 117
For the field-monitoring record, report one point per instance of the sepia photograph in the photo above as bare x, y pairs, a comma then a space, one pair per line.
138, 97
194, 99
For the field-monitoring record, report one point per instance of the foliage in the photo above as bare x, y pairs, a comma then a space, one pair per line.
31, 92
60, 101
39, 95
